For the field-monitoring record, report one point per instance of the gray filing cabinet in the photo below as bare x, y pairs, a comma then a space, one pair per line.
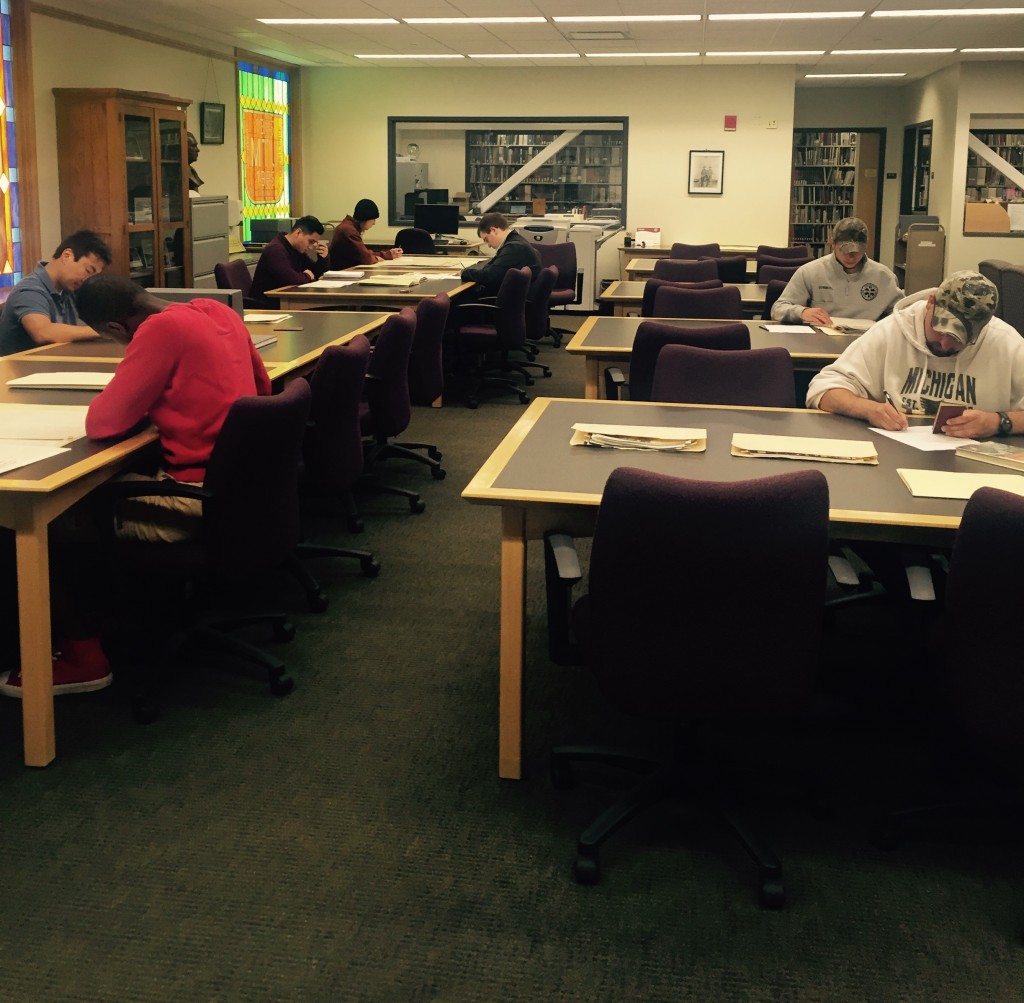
209, 238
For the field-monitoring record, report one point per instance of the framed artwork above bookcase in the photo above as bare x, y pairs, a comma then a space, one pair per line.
836, 173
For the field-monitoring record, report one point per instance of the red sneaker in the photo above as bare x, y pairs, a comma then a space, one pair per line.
79, 667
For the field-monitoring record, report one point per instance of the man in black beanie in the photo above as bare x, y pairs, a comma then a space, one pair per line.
347, 247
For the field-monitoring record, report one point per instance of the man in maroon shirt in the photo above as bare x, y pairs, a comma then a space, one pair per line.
286, 260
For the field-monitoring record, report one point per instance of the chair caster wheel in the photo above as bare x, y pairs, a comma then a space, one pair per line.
529, 381
317, 601
524, 398
281, 685
435, 454
546, 374
585, 869
772, 894
283, 632
369, 567
562, 778
355, 524
417, 505
438, 473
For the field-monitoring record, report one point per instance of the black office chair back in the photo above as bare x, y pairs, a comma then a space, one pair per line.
651, 338
695, 251
510, 321
563, 257
800, 252
426, 369
1012, 294
537, 302
732, 268
333, 445
774, 288
415, 241
992, 269
251, 521
757, 377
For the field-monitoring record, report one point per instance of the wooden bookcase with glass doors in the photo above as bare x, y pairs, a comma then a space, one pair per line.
122, 159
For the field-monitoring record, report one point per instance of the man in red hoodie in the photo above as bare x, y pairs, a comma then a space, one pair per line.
185, 364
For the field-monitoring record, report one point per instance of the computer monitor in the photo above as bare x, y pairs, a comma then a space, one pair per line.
437, 196
436, 218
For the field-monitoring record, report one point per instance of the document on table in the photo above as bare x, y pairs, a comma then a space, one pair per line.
665, 439
329, 284
18, 453
922, 437
344, 273
955, 485
788, 328
62, 381
256, 317
51, 424
403, 280
796, 447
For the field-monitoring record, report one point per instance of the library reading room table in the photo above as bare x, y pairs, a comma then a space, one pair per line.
627, 296
365, 296
32, 496
540, 483
608, 341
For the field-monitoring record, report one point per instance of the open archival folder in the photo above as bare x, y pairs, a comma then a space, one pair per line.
664, 439
43, 423
844, 325
14, 454
62, 381
953, 484
796, 447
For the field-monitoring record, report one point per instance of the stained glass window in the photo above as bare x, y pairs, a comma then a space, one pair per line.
264, 124
10, 225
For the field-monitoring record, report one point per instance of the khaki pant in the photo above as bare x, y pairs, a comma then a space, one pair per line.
158, 518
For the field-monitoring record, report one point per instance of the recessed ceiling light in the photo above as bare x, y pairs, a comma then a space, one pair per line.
959, 12
475, 20
809, 16
524, 55
822, 76
884, 52
639, 55
408, 55
993, 50
594, 18
766, 52
327, 20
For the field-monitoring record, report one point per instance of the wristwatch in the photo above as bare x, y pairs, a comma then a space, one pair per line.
1005, 425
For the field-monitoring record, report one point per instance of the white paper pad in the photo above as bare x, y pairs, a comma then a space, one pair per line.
50, 423
956, 485
19, 454
798, 447
255, 317
788, 328
62, 381
922, 437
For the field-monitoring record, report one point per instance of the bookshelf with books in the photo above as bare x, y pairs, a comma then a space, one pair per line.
986, 182
824, 184
588, 170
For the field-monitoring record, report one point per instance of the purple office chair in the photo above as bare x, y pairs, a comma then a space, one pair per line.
732, 268
538, 300
723, 303
674, 270
801, 252
662, 571
774, 288
563, 257
235, 275
651, 337
695, 251
651, 287
757, 377
766, 273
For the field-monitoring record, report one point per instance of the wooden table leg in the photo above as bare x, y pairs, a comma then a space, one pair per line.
513, 629
36, 650
592, 375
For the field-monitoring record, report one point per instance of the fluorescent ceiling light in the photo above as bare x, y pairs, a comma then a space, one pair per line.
475, 20
820, 15
638, 55
609, 18
822, 76
993, 50
958, 12
408, 55
327, 20
524, 55
883, 52
781, 52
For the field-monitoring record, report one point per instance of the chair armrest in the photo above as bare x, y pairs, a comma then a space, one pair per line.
614, 381
119, 490
853, 579
561, 573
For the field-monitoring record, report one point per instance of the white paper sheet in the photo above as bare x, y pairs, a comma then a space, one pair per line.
51, 423
14, 454
922, 437
788, 328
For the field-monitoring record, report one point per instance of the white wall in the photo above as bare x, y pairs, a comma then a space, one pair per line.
71, 55
671, 111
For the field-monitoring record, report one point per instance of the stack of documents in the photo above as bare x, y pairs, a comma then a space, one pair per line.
256, 317
663, 439
954, 485
62, 381
344, 273
402, 280
32, 432
794, 447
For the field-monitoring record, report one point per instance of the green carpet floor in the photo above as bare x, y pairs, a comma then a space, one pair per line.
352, 841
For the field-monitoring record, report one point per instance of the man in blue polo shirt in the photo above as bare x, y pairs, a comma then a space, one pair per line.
41, 308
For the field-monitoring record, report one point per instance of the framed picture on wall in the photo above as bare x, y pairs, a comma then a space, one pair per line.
211, 123
706, 170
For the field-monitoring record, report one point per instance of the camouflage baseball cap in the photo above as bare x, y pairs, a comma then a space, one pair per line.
964, 304
850, 235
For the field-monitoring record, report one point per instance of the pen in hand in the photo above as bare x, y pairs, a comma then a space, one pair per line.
889, 400
901, 418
